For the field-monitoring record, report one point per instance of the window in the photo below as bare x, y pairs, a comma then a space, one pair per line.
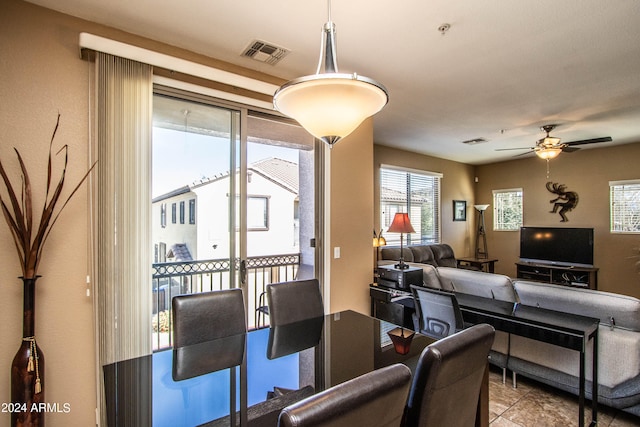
507, 209
415, 192
163, 215
257, 213
173, 213
181, 212
192, 211
624, 201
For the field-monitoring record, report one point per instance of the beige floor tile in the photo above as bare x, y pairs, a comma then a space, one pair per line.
532, 404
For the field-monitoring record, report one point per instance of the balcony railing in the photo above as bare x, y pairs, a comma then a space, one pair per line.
177, 278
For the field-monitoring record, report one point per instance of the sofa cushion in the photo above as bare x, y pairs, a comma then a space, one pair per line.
430, 276
624, 310
394, 254
488, 285
423, 254
443, 255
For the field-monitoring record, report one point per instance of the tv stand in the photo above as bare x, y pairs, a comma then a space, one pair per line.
580, 277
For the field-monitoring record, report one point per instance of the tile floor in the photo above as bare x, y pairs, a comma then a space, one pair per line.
536, 405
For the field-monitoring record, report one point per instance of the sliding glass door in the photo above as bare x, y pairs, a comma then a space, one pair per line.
233, 202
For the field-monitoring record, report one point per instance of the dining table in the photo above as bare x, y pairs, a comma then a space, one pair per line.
248, 379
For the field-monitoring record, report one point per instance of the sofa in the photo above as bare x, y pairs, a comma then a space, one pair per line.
618, 332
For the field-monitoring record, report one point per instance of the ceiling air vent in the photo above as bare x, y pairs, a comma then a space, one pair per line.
474, 141
265, 52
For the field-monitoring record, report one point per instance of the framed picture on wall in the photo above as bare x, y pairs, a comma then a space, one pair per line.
459, 210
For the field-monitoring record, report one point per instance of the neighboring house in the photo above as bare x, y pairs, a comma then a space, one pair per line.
192, 222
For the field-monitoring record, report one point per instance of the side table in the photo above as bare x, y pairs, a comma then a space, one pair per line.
484, 264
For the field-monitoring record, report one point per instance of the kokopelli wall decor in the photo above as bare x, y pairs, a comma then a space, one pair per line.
565, 202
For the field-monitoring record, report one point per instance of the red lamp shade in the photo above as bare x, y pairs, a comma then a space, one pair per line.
401, 224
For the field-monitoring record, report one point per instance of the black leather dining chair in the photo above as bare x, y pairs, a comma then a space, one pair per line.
294, 301
207, 316
437, 311
304, 272
446, 384
375, 399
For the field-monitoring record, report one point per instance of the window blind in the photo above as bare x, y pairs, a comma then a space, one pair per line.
625, 206
414, 192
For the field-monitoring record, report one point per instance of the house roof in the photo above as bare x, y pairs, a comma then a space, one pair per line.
280, 171
182, 190
179, 252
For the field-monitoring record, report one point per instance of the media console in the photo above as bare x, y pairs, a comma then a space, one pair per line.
581, 277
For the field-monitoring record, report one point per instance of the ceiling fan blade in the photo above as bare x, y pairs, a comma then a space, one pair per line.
569, 149
520, 148
589, 141
524, 154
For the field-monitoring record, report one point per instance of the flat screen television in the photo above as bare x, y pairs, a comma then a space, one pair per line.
557, 245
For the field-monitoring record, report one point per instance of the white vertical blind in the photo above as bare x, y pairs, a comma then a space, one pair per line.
123, 253
415, 192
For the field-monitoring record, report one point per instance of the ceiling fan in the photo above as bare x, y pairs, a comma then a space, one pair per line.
549, 147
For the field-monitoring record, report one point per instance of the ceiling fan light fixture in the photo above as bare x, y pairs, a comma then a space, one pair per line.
548, 153
549, 141
330, 105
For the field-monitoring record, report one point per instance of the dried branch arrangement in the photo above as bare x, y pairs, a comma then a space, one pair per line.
18, 210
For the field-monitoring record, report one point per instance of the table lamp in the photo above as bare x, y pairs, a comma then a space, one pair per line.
378, 241
401, 224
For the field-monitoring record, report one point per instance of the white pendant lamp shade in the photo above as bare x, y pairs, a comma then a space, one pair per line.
331, 105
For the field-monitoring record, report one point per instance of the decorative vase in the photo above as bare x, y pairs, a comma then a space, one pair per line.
27, 369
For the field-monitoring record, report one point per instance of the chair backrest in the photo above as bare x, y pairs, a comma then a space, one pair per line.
207, 316
294, 301
375, 399
438, 312
447, 381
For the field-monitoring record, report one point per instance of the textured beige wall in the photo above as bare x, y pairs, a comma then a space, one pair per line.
586, 172
456, 184
42, 75
351, 220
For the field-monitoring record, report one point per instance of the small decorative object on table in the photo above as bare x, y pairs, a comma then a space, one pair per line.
27, 369
401, 339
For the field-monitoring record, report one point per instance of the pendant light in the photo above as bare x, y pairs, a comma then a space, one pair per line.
328, 104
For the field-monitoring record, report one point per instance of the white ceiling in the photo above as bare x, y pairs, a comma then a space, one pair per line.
502, 70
